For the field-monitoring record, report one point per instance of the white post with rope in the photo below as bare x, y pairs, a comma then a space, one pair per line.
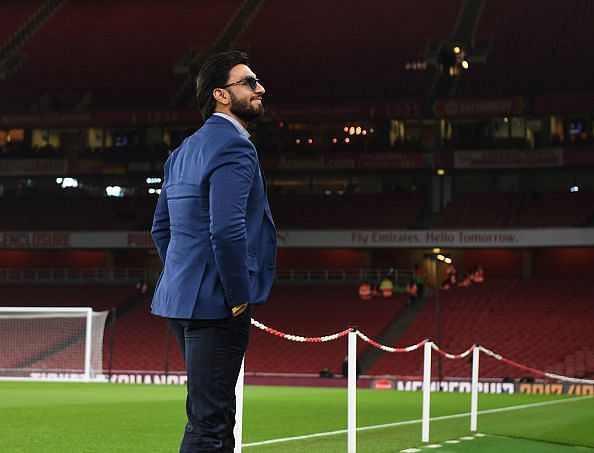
474, 388
426, 390
352, 392
238, 429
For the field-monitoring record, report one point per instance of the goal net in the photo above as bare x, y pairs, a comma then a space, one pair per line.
51, 343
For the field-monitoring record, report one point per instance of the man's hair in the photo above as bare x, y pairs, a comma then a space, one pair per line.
214, 74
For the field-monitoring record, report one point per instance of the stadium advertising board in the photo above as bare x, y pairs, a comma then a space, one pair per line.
487, 387
118, 378
471, 108
30, 167
508, 158
101, 118
59, 167
377, 384
553, 237
347, 110
367, 161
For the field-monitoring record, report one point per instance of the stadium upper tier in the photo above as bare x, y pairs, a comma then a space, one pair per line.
309, 50
290, 211
346, 211
518, 210
122, 53
308, 211
14, 15
113, 54
533, 49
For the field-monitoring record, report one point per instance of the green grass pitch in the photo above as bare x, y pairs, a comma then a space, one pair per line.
78, 417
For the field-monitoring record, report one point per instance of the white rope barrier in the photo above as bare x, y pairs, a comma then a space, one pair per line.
428, 346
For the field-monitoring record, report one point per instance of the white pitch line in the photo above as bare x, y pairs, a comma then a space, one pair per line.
412, 422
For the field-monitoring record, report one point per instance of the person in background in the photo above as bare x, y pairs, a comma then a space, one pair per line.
345, 368
451, 273
466, 281
413, 291
365, 292
386, 288
450, 279
420, 275
478, 275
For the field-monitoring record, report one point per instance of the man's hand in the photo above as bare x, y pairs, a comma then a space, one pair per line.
238, 309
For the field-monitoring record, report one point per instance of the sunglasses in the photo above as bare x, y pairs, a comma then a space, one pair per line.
250, 82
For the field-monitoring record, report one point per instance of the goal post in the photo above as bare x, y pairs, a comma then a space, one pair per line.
51, 343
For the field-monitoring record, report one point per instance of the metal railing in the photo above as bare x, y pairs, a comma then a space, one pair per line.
345, 275
133, 275
57, 275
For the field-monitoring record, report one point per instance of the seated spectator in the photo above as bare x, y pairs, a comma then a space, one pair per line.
365, 292
345, 368
478, 275
451, 273
386, 288
450, 279
466, 281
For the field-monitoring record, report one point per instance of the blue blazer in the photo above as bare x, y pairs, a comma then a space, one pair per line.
213, 227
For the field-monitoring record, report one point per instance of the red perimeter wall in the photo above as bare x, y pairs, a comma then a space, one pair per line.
565, 262
319, 258
18, 259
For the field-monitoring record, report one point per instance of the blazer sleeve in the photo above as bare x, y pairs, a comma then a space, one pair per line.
160, 229
230, 183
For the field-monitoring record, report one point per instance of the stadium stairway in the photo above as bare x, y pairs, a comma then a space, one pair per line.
10, 59
243, 16
468, 17
391, 334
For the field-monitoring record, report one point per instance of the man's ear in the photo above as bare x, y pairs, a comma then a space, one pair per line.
221, 96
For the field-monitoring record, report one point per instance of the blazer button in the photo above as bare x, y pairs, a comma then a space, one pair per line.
270, 267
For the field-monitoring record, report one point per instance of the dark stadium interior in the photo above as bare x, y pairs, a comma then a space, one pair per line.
414, 117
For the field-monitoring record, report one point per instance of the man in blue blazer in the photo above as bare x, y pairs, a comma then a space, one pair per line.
215, 235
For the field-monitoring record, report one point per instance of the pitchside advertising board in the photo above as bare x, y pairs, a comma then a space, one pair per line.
554, 237
377, 384
486, 387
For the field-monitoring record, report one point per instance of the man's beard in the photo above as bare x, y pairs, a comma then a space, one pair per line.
245, 110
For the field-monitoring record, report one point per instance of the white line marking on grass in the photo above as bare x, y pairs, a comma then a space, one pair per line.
412, 422
433, 446
452, 441
479, 435
410, 450
467, 438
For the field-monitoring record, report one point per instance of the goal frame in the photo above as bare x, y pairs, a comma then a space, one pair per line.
86, 311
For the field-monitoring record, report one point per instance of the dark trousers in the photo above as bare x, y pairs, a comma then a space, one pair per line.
213, 350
